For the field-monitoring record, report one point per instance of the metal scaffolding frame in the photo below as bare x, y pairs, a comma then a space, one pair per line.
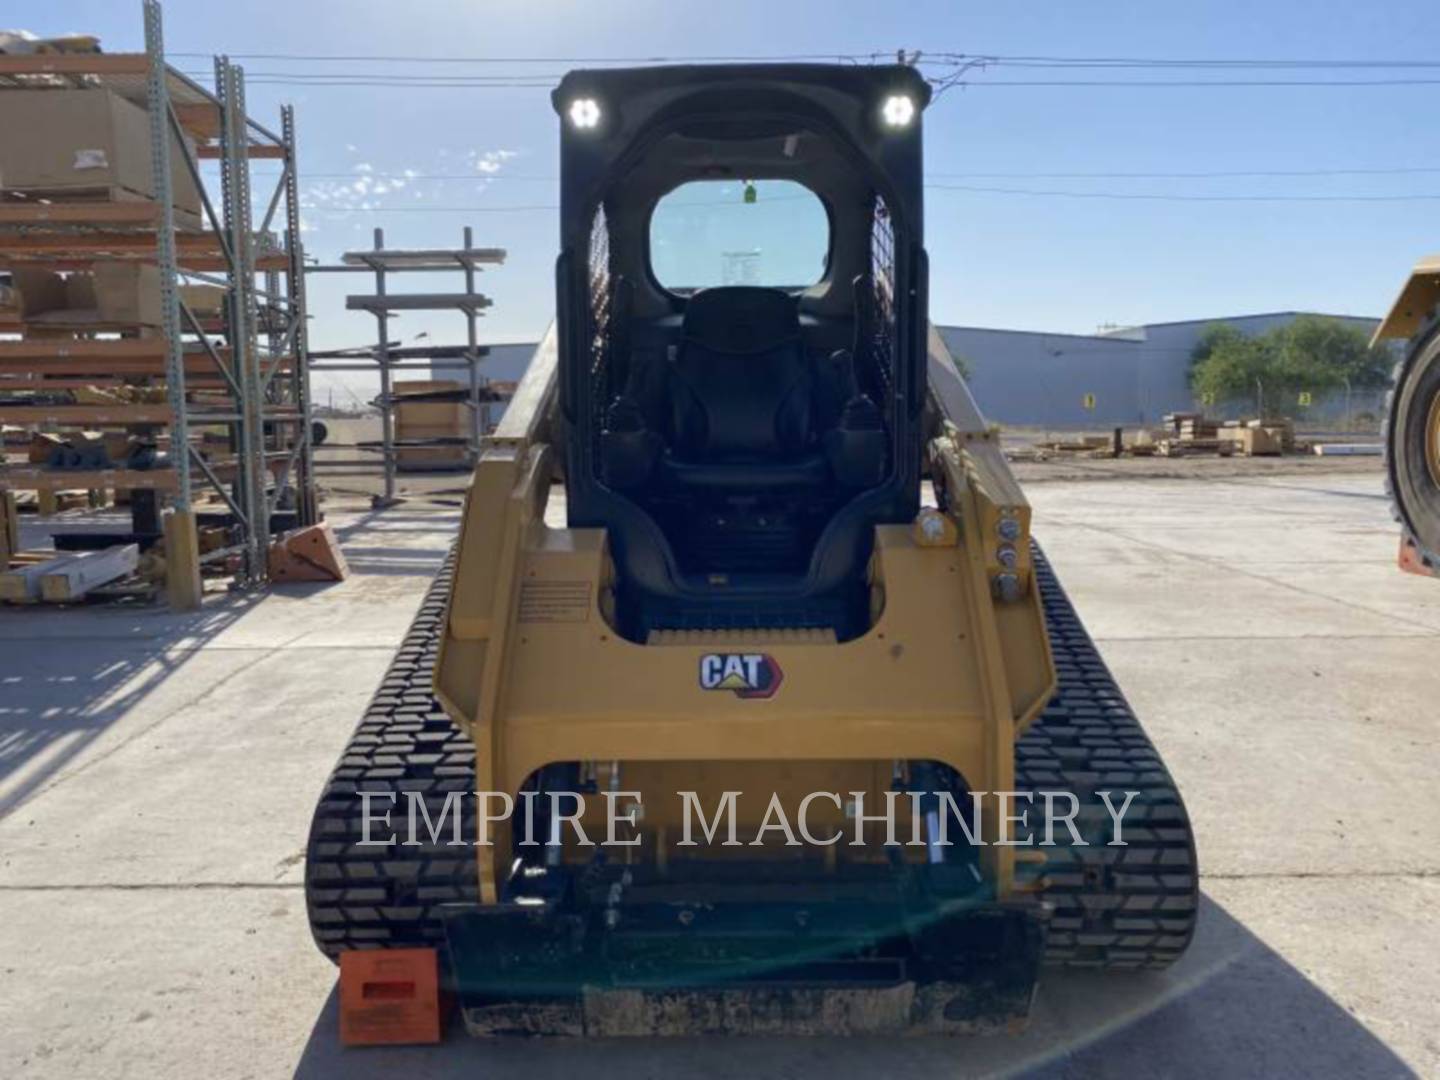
263, 399
387, 358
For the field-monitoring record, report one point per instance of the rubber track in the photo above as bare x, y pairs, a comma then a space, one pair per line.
1128, 906
374, 897
1131, 906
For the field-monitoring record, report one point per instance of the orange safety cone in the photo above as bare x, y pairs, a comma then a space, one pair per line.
390, 997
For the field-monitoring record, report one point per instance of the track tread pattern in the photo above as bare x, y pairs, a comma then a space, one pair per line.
1113, 907
387, 897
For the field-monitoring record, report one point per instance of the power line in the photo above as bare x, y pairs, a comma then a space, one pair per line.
728, 204
974, 189
426, 209
1195, 83
1218, 174
1174, 62
341, 79
958, 69
1202, 175
921, 57
408, 177
1154, 197
830, 57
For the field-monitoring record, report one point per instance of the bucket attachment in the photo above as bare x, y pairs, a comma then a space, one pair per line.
859, 963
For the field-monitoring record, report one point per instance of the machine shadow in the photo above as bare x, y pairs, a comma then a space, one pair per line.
1231, 1007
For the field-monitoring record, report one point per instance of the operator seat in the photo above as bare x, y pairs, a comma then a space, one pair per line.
740, 397
741, 409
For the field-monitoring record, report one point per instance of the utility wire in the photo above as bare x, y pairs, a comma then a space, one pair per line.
1201, 175
957, 69
1156, 197
1195, 83
340, 79
974, 189
830, 57
922, 57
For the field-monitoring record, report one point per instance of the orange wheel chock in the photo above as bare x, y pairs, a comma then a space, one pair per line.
1413, 561
309, 554
390, 997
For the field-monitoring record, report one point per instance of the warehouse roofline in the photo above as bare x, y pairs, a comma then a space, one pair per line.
1112, 336
1255, 315
1030, 333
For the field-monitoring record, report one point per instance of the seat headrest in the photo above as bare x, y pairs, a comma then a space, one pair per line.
741, 318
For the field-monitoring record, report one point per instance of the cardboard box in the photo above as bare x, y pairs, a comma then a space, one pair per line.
419, 458
437, 417
204, 300
452, 414
431, 420
1259, 442
35, 292
114, 293
433, 431
59, 140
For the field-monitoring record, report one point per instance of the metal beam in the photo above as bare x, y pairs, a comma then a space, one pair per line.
158, 100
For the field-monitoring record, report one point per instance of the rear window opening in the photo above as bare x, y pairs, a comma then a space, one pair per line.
709, 233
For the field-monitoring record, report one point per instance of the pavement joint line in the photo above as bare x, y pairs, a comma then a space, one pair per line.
1314, 875
131, 645
1221, 564
1161, 638
1268, 482
161, 886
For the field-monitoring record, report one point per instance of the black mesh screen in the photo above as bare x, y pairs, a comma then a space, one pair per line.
883, 331
602, 307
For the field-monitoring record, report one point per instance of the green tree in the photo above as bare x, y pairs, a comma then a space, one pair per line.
1226, 363
1310, 353
1333, 352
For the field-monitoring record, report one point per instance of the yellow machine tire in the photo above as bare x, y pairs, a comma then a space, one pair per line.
1412, 442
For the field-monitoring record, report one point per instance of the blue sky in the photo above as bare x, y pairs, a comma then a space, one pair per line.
1060, 262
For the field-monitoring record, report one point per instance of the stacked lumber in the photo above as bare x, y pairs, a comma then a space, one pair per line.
67, 578
1190, 426
1193, 447
1083, 444
432, 425
1255, 438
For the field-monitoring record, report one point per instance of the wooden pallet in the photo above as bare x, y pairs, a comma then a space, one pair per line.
80, 205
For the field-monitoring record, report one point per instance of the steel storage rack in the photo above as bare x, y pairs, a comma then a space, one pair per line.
389, 356
234, 415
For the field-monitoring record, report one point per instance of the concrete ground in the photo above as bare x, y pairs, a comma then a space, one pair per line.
157, 774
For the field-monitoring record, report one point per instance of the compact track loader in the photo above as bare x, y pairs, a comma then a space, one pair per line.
764, 724
1412, 420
